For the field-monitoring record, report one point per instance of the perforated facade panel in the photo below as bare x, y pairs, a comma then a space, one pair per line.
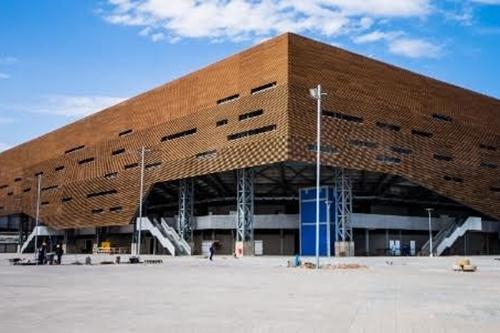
377, 118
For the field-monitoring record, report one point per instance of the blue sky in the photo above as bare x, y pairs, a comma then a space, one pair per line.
61, 60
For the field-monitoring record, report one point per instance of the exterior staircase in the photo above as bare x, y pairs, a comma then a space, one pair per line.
182, 247
447, 236
166, 235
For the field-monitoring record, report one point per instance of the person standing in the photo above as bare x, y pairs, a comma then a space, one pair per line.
41, 253
59, 253
212, 251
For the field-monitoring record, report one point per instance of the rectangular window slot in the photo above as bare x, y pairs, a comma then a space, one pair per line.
118, 151
251, 132
388, 159
18, 179
3, 186
342, 116
10, 193
116, 209
487, 147
252, 114
387, 126
48, 188
39, 173
71, 150
364, 144
221, 122
87, 160
101, 193
59, 168
179, 135
443, 158
27, 189
153, 166
421, 133
402, 151
206, 155
44, 203
1, 207
453, 179
228, 99
67, 199
111, 175
263, 88
324, 149
125, 132
131, 166
485, 165
97, 210
495, 189
442, 117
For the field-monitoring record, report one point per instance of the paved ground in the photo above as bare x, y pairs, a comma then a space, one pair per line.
251, 295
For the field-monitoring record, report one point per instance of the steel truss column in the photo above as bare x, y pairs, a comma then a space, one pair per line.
245, 205
186, 208
343, 205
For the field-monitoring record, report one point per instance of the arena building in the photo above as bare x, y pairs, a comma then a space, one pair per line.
228, 154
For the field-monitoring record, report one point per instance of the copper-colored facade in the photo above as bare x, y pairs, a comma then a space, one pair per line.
254, 109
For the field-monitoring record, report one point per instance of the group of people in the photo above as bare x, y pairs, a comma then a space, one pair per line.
42, 254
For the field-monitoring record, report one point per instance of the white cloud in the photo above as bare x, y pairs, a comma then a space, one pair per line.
414, 48
4, 76
157, 36
8, 60
4, 146
376, 36
73, 106
250, 19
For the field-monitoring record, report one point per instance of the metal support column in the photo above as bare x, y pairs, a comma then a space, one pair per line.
367, 241
245, 205
343, 205
186, 209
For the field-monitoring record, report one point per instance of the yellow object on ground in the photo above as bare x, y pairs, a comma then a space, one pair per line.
464, 265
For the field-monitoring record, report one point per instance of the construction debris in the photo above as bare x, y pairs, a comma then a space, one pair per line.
153, 261
309, 265
22, 262
134, 260
464, 265
343, 266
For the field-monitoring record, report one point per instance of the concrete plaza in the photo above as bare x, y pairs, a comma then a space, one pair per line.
257, 294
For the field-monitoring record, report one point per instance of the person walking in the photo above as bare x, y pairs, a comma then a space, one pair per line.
41, 253
59, 253
212, 251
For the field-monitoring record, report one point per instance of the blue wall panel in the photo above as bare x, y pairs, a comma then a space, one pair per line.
308, 221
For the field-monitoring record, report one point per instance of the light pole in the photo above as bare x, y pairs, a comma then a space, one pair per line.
429, 211
328, 240
317, 94
138, 249
37, 214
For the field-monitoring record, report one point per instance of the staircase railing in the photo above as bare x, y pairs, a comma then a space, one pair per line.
158, 233
176, 238
42, 231
472, 223
438, 237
